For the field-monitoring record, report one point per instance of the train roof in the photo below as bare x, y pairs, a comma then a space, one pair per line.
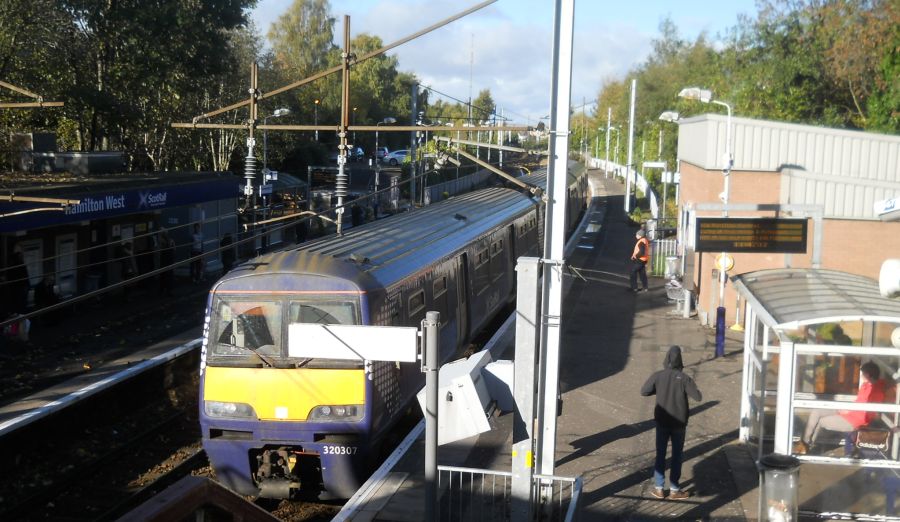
388, 250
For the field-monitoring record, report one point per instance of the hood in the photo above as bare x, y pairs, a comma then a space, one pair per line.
673, 359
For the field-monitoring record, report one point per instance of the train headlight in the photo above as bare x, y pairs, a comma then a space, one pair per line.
337, 413
234, 410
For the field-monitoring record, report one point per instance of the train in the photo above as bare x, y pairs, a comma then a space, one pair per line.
275, 425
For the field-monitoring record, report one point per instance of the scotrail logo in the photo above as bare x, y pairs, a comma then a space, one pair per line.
153, 199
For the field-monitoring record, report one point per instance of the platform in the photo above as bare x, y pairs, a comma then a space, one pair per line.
612, 341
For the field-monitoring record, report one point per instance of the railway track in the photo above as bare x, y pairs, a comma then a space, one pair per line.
101, 457
83, 461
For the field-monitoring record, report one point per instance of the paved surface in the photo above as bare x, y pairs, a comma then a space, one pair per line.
612, 341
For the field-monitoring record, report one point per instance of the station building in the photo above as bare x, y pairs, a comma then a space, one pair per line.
79, 245
815, 323
833, 177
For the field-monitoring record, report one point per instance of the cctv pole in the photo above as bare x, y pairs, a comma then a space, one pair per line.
555, 233
414, 111
628, 166
432, 366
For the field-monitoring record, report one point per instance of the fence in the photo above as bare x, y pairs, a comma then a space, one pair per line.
660, 250
476, 495
435, 193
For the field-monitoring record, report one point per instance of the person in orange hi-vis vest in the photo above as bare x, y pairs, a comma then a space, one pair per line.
639, 258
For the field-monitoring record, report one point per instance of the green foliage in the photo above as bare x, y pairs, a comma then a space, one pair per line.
123, 70
832, 63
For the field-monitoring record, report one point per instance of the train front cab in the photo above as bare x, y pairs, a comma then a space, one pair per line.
274, 424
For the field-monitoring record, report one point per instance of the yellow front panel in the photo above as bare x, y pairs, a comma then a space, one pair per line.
284, 394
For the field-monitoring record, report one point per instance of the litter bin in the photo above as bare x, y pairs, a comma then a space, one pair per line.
671, 267
778, 482
650, 225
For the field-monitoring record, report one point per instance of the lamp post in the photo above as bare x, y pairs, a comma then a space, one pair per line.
630, 164
706, 96
608, 128
671, 117
616, 155
386, 121
277, 114
316, 120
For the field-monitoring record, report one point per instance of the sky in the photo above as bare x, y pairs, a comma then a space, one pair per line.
507, 46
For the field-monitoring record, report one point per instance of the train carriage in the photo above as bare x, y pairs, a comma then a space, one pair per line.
274, 423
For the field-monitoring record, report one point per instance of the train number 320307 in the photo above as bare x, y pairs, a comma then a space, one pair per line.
339, 450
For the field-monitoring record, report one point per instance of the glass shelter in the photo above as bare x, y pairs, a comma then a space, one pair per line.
820, 381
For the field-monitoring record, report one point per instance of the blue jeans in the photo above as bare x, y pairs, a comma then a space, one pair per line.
663, 434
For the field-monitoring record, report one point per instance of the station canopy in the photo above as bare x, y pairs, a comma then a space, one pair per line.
791, 297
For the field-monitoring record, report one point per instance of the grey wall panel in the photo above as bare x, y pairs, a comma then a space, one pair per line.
846, 171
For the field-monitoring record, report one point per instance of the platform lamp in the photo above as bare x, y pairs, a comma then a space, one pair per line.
316, 116
616, 129
671, 117
387, 121
706, 96
277, 114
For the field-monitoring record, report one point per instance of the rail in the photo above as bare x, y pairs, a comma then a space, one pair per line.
472, 494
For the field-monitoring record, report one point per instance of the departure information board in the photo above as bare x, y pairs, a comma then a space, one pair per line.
760, 235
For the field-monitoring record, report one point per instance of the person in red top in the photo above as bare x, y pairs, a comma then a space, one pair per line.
871, 389
639, 258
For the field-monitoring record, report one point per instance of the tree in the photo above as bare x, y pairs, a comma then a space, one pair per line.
303, 36
483, 106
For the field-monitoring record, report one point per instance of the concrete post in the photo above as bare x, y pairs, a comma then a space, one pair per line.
527, 321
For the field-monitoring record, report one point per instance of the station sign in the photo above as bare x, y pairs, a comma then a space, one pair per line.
753, 235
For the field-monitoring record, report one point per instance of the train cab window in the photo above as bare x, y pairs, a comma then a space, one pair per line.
323, 312
240, 326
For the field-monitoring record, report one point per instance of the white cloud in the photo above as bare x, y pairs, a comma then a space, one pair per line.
512, 43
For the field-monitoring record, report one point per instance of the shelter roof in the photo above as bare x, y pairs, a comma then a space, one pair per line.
789, 297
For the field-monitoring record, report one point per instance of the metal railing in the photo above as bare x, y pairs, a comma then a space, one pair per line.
476, 495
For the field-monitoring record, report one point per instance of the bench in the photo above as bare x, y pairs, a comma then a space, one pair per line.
870, 442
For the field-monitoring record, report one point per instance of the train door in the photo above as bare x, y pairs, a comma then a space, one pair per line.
462, 288
33, 256
66, 276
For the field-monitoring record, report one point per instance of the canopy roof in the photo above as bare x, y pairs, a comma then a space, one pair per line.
786, 298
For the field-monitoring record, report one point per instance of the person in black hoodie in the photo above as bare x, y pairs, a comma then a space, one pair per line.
672, 388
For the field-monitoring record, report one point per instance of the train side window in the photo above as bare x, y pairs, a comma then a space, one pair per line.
416, 304
481, 258
496, 247
440, 298
482, 278
440, 286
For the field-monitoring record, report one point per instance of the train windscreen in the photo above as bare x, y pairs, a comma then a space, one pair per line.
252, 331
243, 326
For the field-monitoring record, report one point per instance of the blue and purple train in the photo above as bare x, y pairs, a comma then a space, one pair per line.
274, 424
